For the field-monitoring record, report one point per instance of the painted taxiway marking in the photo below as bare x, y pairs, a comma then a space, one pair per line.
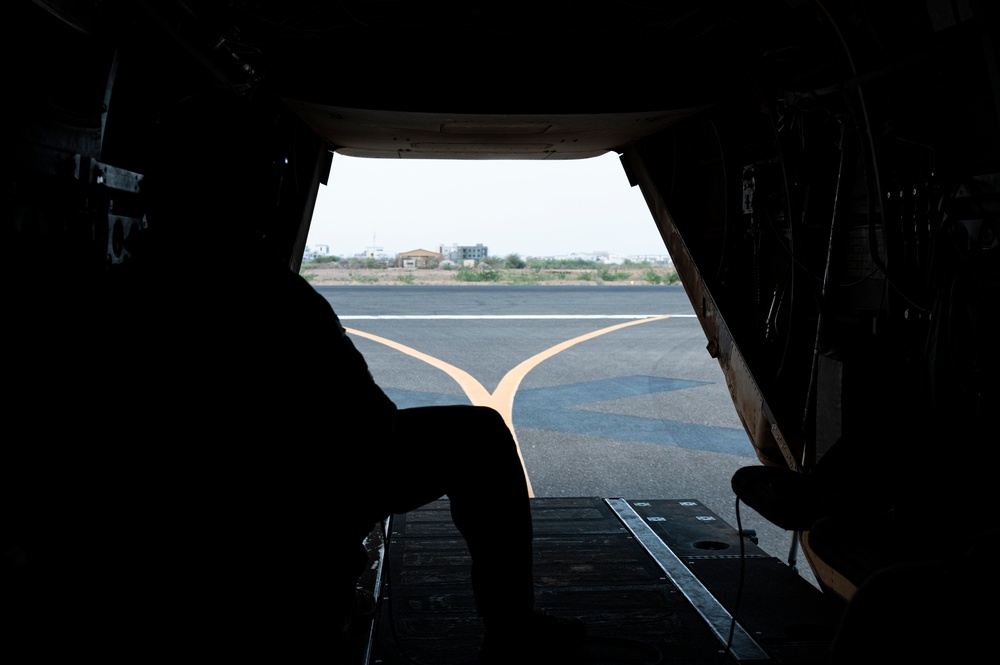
502, 399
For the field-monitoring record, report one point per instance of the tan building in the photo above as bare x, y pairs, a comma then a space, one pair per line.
418, 258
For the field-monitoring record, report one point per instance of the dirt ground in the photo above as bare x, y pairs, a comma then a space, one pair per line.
323, 274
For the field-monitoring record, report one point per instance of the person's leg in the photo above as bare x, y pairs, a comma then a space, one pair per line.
469, 454
477, 465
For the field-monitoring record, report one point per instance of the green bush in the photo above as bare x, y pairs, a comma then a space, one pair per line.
524, 277
567, 264
607, 275
663, 276
363, 279
514, 261
477, 275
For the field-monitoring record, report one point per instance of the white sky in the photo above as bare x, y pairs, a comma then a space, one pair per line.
531, 208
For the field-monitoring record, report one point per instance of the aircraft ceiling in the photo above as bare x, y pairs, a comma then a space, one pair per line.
469, 80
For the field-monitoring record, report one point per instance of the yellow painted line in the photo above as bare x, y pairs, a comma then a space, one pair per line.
502, 399
503, 396
478, 395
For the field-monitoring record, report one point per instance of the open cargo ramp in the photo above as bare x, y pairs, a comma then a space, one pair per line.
657, 581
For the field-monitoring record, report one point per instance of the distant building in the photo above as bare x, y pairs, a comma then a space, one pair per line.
313, 251
418, 258
462, 253
655, 259
609, 258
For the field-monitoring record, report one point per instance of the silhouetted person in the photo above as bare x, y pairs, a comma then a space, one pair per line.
212, 520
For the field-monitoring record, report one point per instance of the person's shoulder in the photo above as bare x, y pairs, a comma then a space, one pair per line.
274, 275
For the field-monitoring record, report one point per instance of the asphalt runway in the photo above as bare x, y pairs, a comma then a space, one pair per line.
609, 389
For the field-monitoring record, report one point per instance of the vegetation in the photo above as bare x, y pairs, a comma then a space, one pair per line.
534, 276
568, 264
667, 277
326, 259
363, 279
352, 263
514, 261
512, 269
484, 274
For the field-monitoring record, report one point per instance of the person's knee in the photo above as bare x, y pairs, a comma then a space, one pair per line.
488, 419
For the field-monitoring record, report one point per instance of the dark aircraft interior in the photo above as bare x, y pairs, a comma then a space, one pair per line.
824, 174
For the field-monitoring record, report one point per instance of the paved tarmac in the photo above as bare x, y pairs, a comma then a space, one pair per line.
609, 389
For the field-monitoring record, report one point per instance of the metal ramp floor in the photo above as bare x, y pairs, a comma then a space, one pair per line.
657, 581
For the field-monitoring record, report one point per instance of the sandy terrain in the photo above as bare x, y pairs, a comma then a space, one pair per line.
323, 274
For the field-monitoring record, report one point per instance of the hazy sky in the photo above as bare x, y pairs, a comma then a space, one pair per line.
531, 208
